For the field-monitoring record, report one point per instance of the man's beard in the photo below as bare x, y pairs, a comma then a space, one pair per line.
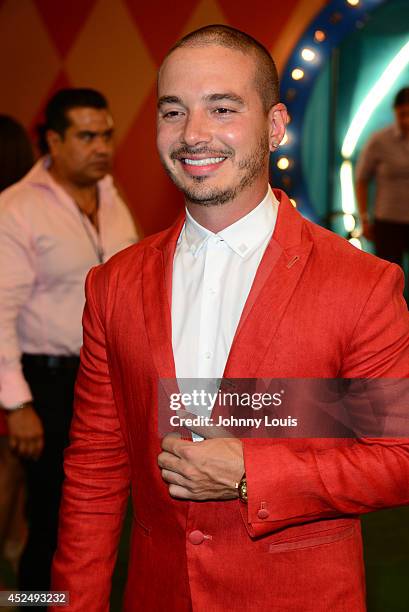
251, 167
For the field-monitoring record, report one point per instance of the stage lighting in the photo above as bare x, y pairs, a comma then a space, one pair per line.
347, 188
308, 54
319, 36
356, 242
349, 223
373, 98
297, 74
283, 163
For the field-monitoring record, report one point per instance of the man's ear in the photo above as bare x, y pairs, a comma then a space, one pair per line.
277, 120
54, 140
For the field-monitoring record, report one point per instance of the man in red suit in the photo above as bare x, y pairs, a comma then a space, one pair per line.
243, 287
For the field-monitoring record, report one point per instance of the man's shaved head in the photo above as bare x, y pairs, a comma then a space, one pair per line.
265, 77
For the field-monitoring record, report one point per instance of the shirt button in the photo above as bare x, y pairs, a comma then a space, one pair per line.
263, 514
196, 537
207, 355
212, 291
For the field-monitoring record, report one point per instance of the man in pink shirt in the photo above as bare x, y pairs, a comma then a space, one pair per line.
61, 219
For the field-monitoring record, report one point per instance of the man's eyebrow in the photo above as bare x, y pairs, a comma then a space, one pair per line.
214, 97
95, 133
168, 100
217, 97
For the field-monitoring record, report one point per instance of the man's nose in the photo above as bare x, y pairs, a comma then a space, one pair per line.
196, 129
103, 145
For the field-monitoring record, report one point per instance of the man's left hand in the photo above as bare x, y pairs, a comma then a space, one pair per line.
202, 470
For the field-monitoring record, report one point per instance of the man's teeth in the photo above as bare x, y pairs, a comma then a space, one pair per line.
203, 162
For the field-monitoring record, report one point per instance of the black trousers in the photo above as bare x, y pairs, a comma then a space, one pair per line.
391, 241
52, 388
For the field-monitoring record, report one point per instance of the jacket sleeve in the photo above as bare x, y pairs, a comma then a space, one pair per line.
97, 473
295, 482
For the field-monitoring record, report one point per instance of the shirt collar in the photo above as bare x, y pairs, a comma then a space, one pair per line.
243, 236
39, 175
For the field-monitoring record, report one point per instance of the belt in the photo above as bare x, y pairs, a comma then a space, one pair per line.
64, 362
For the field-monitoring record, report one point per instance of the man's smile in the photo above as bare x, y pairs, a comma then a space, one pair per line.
195, 166
203, 162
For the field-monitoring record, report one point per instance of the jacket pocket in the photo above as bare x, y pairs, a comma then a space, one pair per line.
317, 539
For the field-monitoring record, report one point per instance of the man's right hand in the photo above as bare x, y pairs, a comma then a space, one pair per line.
26, 433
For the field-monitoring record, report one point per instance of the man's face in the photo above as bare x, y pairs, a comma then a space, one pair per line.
402, 118
213, 134
84, 154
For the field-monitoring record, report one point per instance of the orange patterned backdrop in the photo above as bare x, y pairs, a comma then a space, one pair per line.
116, 46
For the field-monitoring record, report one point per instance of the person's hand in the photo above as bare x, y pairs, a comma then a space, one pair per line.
367, 229
26, 433
202, 470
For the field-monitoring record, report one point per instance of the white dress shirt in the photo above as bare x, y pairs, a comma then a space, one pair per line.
47, 246
212, 277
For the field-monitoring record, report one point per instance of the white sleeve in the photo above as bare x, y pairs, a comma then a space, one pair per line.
17, 278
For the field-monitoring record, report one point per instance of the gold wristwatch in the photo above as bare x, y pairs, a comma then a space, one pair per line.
242, 489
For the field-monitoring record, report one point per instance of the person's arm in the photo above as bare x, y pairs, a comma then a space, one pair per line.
17, 279
361, 191
294, 482
97, 473
128, 230
364, 173
117, 225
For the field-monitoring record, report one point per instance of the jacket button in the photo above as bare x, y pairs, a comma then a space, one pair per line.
196, 537
263, 514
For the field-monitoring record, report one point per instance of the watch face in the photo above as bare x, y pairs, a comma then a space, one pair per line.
243, 490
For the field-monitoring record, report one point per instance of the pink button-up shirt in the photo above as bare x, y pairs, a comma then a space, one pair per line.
47, 246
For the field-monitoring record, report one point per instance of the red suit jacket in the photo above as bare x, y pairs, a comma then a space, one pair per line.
318, 308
